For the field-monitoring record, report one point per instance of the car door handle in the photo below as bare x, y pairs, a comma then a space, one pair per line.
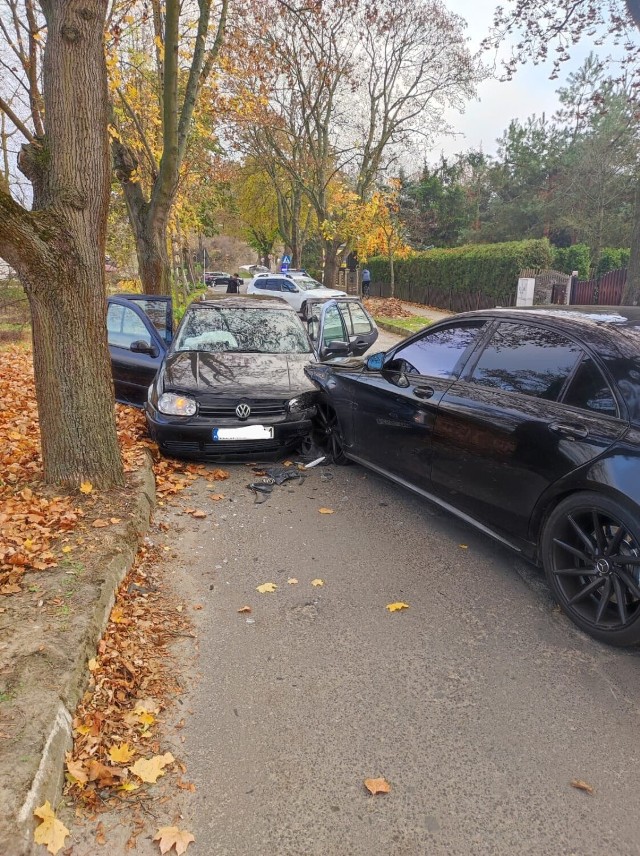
569, 430
423, 391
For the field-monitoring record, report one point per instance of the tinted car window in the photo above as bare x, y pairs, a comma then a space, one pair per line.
527, 359
273, 285
333, 330
260, 283
360, 322
589, 390
124, 327
438, 353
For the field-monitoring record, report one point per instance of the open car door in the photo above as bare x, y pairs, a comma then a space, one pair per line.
332, 338
136, 347
360, 327
158, 309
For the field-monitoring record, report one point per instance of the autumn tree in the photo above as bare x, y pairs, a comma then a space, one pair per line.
357, 85
183, 41
57, 248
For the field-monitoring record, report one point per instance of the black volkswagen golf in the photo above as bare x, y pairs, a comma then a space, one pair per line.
525, 423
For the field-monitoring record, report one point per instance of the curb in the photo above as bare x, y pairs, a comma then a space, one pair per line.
49, 779
398, 331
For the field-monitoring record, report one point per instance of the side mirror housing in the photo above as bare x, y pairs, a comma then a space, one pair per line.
375, 362
336, 349
142, 347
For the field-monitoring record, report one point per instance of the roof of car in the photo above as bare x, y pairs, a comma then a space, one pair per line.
601, 326
244, 301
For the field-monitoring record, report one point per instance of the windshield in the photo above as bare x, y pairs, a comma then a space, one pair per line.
260, 331
306, 283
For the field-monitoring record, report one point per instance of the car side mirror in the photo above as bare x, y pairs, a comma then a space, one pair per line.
336, 349
375, 362
142, 347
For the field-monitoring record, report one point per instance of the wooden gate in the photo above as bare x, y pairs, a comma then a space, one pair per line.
606, 290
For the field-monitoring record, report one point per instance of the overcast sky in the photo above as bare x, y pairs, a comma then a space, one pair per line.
529, 92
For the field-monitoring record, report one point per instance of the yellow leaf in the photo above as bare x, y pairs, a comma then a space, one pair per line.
325, 510
463, 546
397, 606
149, 769
83, 729
292, 581
51, 831
129, 786
266, 587
86, 487
317, 583
76, 769
93, 664
121, 754
117, 615
170, 836
67, 548
377, 786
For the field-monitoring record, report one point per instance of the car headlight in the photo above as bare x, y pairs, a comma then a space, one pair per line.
302, 402
176, 405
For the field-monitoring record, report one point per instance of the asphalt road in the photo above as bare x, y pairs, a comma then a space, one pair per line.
479, 704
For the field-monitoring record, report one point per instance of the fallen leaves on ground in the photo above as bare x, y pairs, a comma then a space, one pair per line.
377, 786
326, 510
266, 587
216, 497
244, 609
116, 718
198, 513
171, 836
387, 307
149, 769
583, 786
51, 831
317, 583
86, 487
292, 581
121, 754
397, 606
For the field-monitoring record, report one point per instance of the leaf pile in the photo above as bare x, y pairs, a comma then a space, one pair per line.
114, 751
387, 307
32, 517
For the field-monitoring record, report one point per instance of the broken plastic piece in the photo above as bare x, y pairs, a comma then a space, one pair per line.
314, 463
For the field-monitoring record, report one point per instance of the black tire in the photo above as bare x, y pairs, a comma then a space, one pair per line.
590, 548
327, 433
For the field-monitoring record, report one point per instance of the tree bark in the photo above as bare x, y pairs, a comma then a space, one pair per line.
330, 263
58, 250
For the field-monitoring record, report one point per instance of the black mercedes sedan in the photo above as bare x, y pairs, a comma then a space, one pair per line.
524, 423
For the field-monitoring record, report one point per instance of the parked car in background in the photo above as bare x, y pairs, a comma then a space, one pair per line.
294, 290
216, 277
230, 383
524, 423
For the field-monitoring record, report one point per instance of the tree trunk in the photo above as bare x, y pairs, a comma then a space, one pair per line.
58, 251
73, 377
330, 263
631, 296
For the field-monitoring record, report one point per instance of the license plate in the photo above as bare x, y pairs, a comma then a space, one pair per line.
247, 432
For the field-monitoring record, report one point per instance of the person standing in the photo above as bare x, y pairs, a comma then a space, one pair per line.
366, 283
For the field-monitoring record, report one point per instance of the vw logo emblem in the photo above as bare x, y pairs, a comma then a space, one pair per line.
243, 411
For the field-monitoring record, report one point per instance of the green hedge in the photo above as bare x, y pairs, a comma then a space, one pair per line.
612, 258
476, 276
568, 259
